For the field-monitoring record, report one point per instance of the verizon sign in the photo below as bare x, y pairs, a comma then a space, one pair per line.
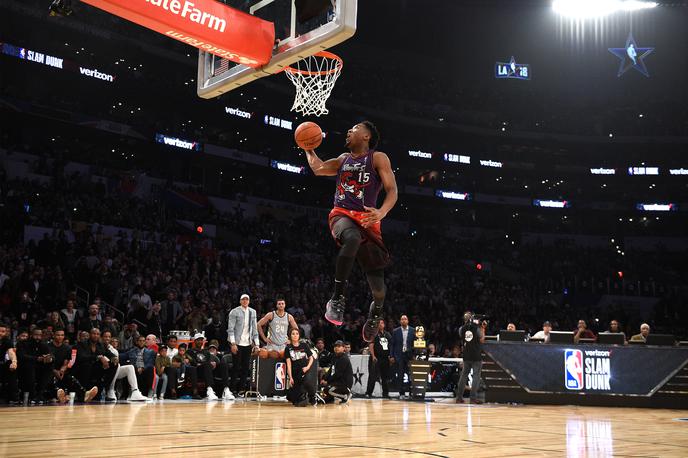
205, 24
177, 142
96, 74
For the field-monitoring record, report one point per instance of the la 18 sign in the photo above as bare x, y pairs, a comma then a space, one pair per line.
512, 70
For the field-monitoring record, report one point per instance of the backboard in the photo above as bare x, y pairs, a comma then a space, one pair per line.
302, 28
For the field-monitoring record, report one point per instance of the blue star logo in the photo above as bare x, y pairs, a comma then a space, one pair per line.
632, 56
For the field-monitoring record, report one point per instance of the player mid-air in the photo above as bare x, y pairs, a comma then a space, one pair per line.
355, 219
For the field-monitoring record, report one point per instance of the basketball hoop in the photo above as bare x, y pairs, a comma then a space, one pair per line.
314, 79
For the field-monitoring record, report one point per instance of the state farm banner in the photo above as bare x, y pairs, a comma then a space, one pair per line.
588, 369
205, 24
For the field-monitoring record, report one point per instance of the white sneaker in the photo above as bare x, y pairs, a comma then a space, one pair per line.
111, 395
137, 396
210, 395
227, 395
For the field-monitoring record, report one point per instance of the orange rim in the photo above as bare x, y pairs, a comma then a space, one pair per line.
325, 54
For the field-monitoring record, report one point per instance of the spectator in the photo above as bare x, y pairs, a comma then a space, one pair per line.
93, 366
208, 367
143, 360
340, 379
35, 366
152, 342
91, 320
154, 320
544, 333
70, 317
511, 327
582, 332
401, 351
432, 350
61, 355
182, 373
472, 337
141, 298
378, 363
128, 336
171, 312
299, 361
172, 346
162, 363
242, 333
644, 332
123, 371
8, 366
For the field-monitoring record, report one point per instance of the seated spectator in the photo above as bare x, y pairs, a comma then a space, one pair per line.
35, 366
299, 361
93, 366
181, 373
432, 350
128, 336
171, 346
162, 362
511, 327
338, 382
152, 342
111, 324
123, 371
83, 336
8, 366
582, 332
209, 367
644, 332
143, 360
63, 378
615, 328
544, 334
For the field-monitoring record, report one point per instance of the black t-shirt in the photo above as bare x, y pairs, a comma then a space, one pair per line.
298, 355
470, 339
324, 359
60, 354
5, 344
382, 342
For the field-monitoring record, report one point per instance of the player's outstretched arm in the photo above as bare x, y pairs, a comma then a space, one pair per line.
328, 168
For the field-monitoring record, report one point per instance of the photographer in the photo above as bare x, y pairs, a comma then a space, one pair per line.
472, 337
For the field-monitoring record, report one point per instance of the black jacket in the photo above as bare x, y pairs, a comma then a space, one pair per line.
28, 350
86, 356
341, 373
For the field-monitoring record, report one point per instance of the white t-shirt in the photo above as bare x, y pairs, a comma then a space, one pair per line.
245, 339
541, 335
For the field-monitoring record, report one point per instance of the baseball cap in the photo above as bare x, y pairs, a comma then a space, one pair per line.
244, 296
198, 335
214, 343
547, 323
339, 343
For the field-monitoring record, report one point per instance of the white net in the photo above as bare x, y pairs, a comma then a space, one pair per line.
314, 79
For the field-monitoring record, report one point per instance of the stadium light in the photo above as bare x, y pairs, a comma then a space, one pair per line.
586, 9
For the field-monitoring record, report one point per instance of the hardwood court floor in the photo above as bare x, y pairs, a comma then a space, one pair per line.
363, 428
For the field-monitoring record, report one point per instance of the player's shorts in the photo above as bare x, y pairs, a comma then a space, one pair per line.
373, 254
275, 351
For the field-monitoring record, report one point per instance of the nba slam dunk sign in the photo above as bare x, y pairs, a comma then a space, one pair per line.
589, 370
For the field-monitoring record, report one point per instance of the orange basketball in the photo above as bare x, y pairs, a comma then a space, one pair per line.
308, 135
274, 354
263, 353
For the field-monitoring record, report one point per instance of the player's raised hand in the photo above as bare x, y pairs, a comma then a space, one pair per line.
372, 216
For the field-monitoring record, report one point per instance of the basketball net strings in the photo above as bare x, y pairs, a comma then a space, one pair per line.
313, 90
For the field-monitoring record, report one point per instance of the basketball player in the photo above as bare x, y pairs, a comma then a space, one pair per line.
355, 220
279, 322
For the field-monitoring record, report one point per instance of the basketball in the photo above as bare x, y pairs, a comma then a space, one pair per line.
308, 135
263, 353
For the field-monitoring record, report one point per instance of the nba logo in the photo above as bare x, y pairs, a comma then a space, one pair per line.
280, 376
573, 369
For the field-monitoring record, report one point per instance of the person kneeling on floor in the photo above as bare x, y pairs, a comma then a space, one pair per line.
338, 382
299, 361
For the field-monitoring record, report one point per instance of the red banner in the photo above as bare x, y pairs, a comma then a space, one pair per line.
205, 24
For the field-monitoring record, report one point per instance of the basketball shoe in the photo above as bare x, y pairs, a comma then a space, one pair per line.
370, 328
335, 310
